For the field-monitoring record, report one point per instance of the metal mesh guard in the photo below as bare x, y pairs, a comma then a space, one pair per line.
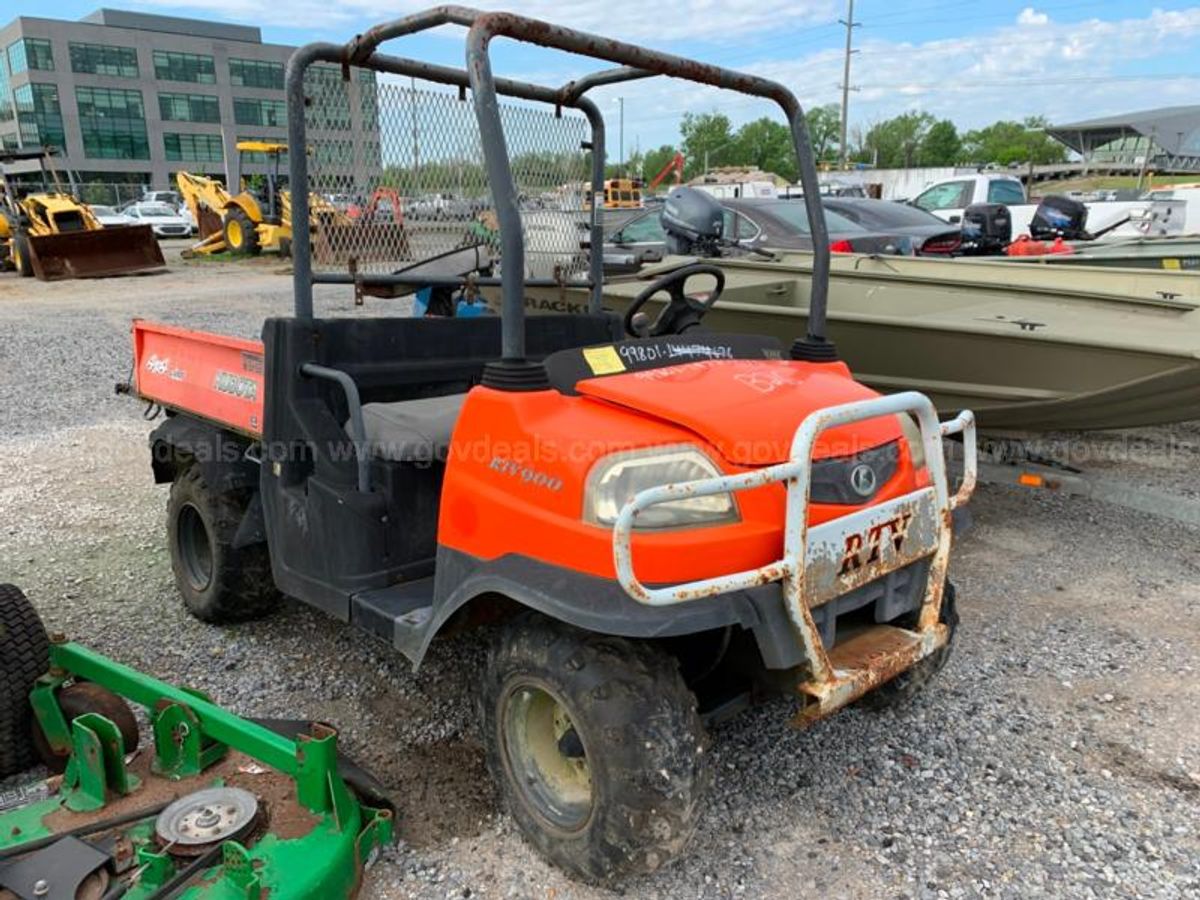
396, 176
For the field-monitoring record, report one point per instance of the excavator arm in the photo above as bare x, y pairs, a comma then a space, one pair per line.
675, 165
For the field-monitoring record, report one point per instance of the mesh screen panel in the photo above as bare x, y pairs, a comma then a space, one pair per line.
396, 176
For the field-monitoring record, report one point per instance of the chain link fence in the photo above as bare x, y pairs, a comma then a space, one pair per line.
408, 183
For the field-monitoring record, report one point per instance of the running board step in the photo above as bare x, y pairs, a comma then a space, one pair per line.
399, 614
864, 661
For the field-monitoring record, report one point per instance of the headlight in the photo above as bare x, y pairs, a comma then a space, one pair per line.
912, 436
615, 480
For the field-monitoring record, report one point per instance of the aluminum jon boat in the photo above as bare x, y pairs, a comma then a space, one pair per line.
1029, 348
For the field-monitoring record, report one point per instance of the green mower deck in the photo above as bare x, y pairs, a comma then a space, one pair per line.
284, 822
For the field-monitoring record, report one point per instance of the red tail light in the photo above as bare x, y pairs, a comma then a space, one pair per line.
842, 246
943, 244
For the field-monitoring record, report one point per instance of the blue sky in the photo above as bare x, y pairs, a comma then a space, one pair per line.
969, 61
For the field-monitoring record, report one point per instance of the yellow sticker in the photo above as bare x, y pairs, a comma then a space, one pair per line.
1169, 263
603, 360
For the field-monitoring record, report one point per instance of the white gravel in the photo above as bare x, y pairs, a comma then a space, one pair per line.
1057, 756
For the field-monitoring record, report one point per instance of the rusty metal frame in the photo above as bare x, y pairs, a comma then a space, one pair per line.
829, 687
633, 63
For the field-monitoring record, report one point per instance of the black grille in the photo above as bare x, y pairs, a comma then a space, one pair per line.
834, 481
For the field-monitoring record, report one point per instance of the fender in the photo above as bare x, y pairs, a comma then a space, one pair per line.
221, 454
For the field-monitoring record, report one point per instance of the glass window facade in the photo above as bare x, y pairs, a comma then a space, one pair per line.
256, 73
193, 147
189, 108
330, 110
101, 59
39, 115
30, 53
269, 113
191, 67
113, 123
6, 108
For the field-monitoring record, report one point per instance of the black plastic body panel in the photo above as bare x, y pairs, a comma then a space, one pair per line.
330, 541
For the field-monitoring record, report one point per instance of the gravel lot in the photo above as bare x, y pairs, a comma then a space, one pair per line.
1058, 755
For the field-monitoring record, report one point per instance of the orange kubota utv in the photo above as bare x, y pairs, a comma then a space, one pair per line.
655, 521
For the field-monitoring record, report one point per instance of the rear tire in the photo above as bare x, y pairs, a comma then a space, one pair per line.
241, 235
908, 684
596, 745
21, 261
219, 583
24, 658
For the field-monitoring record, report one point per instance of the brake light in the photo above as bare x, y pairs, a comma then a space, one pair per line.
842, 246
947, 244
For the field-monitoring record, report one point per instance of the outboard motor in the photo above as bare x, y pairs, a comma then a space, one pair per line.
694, 222
1059, 217
986, 229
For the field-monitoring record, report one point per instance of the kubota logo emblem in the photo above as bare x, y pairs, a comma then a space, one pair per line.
863, 480
866, 547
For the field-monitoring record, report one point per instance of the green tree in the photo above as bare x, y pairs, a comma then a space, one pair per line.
896, 142
653, 162
1007, 142
824, 130
765, 144
705, 133
941, 145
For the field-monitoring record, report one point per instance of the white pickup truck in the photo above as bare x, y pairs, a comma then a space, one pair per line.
948, 198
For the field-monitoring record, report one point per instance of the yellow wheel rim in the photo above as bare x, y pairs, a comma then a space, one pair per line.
234, 233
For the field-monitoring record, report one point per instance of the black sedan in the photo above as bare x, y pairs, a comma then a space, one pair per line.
765, 224
931, 236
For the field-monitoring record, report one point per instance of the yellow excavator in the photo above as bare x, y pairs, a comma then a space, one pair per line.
49, 233
246, 222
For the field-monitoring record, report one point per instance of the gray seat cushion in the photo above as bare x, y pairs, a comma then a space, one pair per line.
412, 430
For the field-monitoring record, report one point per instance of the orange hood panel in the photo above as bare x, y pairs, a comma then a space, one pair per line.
748, 409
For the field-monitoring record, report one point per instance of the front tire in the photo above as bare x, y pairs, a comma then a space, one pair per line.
241, 235
597, 747
219, 582
24, 658
21, 259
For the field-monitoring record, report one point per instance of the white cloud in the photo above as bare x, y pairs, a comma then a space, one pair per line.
668, 20
1030, 16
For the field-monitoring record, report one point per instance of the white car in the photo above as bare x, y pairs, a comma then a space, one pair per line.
165, 221
109, 217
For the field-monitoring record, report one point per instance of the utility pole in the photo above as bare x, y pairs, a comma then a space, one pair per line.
621, 100
850, 26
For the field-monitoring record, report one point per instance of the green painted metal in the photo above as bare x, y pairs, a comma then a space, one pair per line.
97, 764
20, 826
49, 715
191, 733
224, 727
180, 748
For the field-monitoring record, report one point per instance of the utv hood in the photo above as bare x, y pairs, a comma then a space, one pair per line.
748, 410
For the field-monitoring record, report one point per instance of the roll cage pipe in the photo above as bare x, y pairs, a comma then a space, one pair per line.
633, 63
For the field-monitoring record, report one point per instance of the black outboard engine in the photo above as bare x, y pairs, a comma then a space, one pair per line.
1058, 216
986, 229
694, 222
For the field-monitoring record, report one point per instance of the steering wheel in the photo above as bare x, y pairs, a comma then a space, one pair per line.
683, 312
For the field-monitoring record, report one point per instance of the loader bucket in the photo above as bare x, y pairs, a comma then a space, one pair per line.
94, 254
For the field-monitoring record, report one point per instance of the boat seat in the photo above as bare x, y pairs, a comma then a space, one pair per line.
412, 430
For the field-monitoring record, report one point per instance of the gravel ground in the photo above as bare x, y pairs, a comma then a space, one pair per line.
1058, 755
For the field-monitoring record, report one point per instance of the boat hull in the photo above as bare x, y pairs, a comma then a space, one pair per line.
1025, 358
